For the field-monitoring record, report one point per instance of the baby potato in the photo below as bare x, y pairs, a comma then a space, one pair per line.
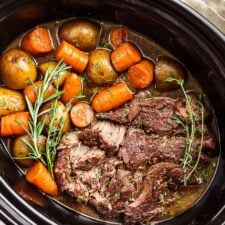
99, 69
11, 101
17, 68
166, 67
83, 34
50, 65
20, 150
61, 115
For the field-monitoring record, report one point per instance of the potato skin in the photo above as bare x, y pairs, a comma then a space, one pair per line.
83, 34
17, 68
20, 150
166, 67
60, 112
99, 69
50, 65
11, 101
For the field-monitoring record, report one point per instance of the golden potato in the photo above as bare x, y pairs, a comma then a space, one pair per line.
166, 67
20, 150
17, 68
99, 69
50, 65
83, 34
11, 101
61, 115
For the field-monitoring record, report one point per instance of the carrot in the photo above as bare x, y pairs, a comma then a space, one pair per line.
71, 87
111, 97
14, 124
40, 177
81, 115
125, 56
141, 74
30, 91
118, 36
72, 56
38, 42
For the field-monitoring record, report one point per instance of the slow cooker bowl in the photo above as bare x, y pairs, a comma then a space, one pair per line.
174, 26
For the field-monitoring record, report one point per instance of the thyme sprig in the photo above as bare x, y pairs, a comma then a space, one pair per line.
190, 130
35, 124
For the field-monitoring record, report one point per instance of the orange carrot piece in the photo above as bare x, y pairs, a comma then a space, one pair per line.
118, 36
141, 74
38, 42
72, 56
81, 115
111, 97
125, 56
29, 91
71, 87
40, 177
13, 124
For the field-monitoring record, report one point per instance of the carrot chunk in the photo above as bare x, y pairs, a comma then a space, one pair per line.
40, 177
81, 115
111, 97
118, 36
13, 124
38, 42
72, 56
71, 87
141, 74
125, 56
30, 91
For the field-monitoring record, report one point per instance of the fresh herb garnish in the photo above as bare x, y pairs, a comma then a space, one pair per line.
187, 161
35, 124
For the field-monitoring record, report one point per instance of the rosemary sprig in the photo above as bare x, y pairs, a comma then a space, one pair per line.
36, 126
54, 136
187, 161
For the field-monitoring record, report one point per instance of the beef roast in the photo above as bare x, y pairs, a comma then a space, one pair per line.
154, 115
105, 135
138, 149
123, 115
146, 205
122, 164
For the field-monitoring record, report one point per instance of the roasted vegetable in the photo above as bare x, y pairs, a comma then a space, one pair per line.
11, 101
40, 177
81, 115
31, 90
111, 97
141, 74
61, 116
99, 69
38, 42
20, 150
72, 88
17, 68
83, 34
50, 65
166, 67
118, 36
72, 56
125, 56
15, 124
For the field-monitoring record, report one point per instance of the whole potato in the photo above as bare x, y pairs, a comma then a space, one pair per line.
17, 68
83, 34
20, 150
62, 115
99, 69
166, 67
11, 101
50, 65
